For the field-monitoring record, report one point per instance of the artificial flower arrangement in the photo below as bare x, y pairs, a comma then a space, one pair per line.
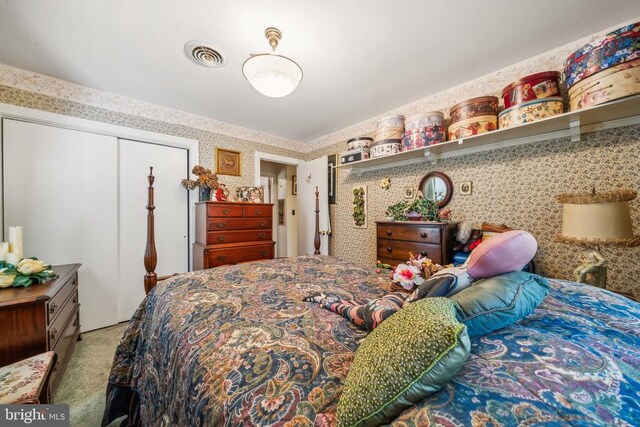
208, 182
411, 274
25, 273
419, 209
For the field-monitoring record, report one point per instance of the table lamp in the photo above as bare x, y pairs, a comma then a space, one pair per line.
593, 220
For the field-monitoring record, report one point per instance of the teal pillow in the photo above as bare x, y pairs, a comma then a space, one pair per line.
492, 304
409, 356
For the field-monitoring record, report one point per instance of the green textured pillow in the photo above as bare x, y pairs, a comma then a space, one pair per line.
411, 355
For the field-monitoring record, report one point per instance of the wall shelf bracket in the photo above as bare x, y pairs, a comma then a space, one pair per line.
574, 129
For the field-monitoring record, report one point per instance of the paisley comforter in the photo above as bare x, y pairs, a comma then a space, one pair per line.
237, 346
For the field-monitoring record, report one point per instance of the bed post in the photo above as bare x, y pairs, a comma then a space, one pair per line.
150, 254
316, 237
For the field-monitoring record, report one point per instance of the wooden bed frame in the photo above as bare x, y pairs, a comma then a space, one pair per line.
151, 254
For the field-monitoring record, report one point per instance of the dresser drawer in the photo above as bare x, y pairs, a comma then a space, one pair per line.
55, 304
56, 329
223, 211
400, 250
218, 237
260, 211
63, 348
216, 224
235, 255
409, 233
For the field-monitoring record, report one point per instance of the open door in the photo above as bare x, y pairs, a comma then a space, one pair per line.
313, 174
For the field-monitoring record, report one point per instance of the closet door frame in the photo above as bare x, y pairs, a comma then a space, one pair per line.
8, 111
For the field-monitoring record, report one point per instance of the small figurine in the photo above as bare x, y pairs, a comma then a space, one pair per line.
593, 270
222, 193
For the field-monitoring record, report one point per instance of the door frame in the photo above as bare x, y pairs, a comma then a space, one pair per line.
258, 156
8, 111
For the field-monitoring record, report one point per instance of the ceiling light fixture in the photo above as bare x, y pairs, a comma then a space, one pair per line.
271, 74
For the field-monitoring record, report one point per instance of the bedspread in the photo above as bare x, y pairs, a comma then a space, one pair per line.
236, 345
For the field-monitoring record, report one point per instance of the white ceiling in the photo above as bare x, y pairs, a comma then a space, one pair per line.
360, 57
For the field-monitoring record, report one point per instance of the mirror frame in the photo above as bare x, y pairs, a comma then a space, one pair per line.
447, 182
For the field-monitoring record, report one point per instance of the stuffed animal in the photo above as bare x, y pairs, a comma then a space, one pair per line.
503, 253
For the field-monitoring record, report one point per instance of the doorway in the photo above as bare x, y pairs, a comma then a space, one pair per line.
277, 180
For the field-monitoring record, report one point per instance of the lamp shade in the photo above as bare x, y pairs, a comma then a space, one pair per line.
598, 219
271, 74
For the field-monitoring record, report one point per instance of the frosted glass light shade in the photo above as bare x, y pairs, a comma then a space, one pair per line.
272, 75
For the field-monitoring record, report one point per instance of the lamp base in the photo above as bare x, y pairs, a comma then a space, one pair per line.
593, 270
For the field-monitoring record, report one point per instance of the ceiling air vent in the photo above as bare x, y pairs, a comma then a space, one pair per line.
205, 54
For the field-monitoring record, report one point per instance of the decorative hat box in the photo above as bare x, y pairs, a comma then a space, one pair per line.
423, 130
356, 155
385, 147
388, 133
615, 82
360, 141
535, 86
473, 116
618, 46
531, 111
396, 121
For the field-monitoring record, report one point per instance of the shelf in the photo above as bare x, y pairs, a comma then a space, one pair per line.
614, 114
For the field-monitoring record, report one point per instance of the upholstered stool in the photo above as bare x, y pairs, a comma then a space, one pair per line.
24, 381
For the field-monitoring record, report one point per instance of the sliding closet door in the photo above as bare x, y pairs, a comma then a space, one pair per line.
62, 186
170, 165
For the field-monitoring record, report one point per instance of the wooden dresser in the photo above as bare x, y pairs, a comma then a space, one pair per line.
41, 318
232, 232
430, 239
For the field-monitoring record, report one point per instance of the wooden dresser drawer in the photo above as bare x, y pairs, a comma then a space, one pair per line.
412, 233
55, 304
225, 256
400, 250
223, 211
260, 211
216, 224
64, 347
218, 237
56, 329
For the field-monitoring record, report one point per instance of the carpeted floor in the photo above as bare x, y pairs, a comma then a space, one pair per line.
85, 380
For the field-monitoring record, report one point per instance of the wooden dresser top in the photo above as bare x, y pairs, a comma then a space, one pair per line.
233, 203
12, 296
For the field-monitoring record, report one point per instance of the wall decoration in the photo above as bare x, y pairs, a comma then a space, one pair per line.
466, 188
408, 193
385, 183
333, 177
360, 207
228, 162
294, 185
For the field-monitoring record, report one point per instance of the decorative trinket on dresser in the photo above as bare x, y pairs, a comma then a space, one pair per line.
605, 69
250, 194
207, 182
473, 117
423, 130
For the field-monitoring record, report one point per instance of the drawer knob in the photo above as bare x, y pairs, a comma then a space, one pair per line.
263, 224
53, 334
389, 248
262, 236
221, 239
423, 234
226, 211
258, 211
263, 253
221, 225
221, 257
389, 233
75, 299
53, 307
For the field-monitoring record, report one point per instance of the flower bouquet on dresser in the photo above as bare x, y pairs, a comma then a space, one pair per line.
207, 181
16, 271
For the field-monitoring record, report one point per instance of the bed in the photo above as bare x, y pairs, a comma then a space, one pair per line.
236, 345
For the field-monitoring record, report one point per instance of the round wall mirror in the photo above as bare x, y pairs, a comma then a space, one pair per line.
437, 187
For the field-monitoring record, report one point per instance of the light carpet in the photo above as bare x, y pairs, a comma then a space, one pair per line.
84, 383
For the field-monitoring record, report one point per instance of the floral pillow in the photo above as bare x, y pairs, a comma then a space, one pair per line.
365, 314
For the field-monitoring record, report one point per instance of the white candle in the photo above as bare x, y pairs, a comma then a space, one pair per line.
13, 258
4, 249
16, 243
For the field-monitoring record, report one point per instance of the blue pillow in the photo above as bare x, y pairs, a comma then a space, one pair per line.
495, 303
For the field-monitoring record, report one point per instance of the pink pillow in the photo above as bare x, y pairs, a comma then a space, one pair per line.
502, 253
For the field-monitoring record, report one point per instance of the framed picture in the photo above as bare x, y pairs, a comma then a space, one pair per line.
228, 162
466, 188
294, 186
359, 201
333, 174
409, 193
